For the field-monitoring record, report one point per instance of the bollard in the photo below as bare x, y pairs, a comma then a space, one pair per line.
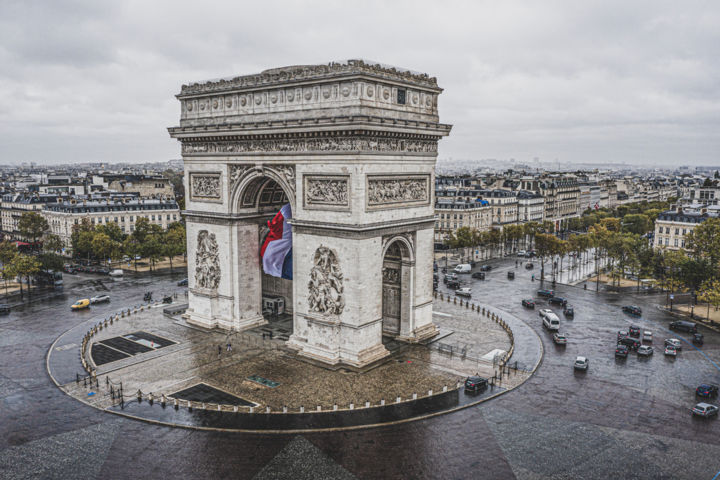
219, 407
382, 402
334, 407
162, 400
398, 399
367, 404
252, 409
454, 300
175, 403
203, 405
319, 408
429, 393
139, 396
284, 409
84, 381
414, 396
267, 409
302, 409
235, 408
107, 381
189, 405
352, 406
150, 398
77, 377
445, 388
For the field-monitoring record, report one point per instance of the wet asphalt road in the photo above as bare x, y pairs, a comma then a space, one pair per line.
622, 419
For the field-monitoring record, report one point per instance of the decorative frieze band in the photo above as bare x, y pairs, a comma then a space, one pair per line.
327, 191
393, 191
206, 186
323, 144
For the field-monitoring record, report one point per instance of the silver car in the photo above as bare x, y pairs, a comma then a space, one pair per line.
100, 299
674, 342
581, 363
705, 410
645, 350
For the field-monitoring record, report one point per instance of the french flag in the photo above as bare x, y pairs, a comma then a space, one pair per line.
276, 251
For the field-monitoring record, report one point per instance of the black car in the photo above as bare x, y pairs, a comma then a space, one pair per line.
568, 311
486, 268
621, 351
631, 343
453, 284
683, 326
528, 303
184, 282
450, 276
511, 275
546, 293
475, 384
632, 310
4, 308
557, 301
634, 331
706, 390
529, 266
478, 275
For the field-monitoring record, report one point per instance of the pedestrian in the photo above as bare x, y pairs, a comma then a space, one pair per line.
229, 347
219, 350
533, 277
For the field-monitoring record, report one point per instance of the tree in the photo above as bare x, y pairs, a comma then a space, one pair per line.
546, 245
704, 241
24, 266
8, 251
52, 243
142, 228
32, 226
671, 273
102, 245
81, 238
112, 230
612, 224
153, 247
175, 243
636, 223
710, 293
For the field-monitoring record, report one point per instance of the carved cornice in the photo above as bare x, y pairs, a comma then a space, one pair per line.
304, 73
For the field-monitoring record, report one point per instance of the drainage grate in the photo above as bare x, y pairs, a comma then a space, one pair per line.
205, 393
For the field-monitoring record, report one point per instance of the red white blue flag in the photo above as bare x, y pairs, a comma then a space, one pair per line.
276, 251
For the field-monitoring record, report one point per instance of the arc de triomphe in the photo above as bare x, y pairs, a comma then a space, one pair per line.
352, 147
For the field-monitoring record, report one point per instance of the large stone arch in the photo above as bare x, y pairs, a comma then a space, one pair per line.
247, 181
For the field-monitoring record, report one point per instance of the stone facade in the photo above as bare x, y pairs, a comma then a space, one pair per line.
352, 147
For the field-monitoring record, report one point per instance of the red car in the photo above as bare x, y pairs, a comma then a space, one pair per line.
634, 331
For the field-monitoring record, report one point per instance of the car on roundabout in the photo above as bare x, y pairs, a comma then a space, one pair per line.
621, 351
706, 390
184, 282
677, 344
560, 338
529, 266
581, 363
463, 292
634, 331
622, 334
528, 303
557, 301
475, 384
670, 351
645, 350
630, 342
486, 268
632, 310
705, 410
568, 311
545, 293
80, 304
478, 275
647, 336
100, 299
4, 308
546, 312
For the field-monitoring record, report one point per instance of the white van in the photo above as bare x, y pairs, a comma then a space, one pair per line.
551, 322
116, 273
463, 268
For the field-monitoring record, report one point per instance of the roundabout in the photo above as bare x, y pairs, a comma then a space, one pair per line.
147, 363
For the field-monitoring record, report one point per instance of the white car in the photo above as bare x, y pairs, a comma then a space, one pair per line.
544, 312
100, 299
674, 342
670, 351
522, 253
116, 273
647, 336
645, 350
581, 363
463, 292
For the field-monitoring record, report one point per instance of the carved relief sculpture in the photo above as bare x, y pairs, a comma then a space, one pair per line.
391, 275
205, 186
237, 172
326, 191
207, 263
326, 291
389, 190
343, 144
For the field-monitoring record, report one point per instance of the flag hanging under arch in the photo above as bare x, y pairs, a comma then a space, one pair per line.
276, 250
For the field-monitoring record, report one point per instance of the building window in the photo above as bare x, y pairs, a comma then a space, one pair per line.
683, 243
132, 219
153, 218
116, 218
677, 232
667, 241
401, 94
676, 242
684, 231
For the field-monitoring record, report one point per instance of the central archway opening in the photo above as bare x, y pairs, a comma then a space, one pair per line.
395, 285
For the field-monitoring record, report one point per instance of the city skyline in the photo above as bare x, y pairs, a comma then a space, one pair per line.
610, 83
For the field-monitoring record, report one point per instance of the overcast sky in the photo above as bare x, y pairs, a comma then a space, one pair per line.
620, 81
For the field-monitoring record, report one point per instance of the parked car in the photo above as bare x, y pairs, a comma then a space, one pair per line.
698, 338
528, 303
674, 342
670, 351
478, 275
568, 312
630, 342
645, 350
581, 363
475, 384
546, 293
634, 331
67, 268
184, 282
683, 326
511, 275
116, 273
706, 390
521, 253
463, 292
622, 334
529, 266
138, 257
621, 351
632, 310
647, 336
557, 301
486, 268
560, 338
100, 299
4, 308
80, 304
705, 410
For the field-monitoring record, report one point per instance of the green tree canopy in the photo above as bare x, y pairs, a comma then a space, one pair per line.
32, 226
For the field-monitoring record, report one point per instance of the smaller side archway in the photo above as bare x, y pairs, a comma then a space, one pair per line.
397, 287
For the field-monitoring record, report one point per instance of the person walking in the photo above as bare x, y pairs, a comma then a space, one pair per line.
219, 350
229, 347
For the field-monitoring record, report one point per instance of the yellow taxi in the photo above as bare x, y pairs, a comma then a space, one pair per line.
80, 304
